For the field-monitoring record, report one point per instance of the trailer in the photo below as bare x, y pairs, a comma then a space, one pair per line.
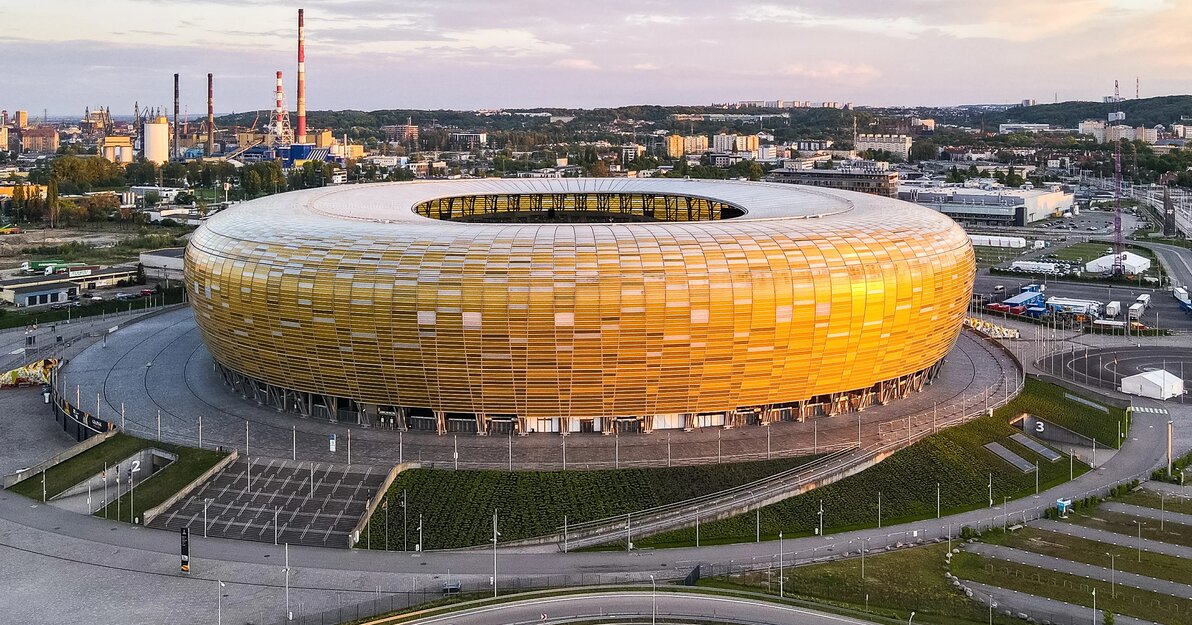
1145, 300
1136, 310
1113, 309
1181, 295
1086, 307
38, 266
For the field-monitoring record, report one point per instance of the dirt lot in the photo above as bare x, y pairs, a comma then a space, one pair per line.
11, 245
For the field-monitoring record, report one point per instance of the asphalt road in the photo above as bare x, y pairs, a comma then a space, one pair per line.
667, 607
1106, 367
1056, 612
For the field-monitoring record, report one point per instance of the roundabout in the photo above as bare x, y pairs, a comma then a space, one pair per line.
1105, 367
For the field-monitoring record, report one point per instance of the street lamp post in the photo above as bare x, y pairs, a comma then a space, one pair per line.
219, 602
912, 618
821, 518
1140, 524
653, 601
496, 534
1112, 574
780, 580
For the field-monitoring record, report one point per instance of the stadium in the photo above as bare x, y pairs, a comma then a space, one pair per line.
577, 305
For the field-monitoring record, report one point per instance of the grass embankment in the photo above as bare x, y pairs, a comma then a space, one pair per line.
457, 506
1125, 524
1047, 401
955, 458
895, 583
125, 250
191, 463
1072, 589
1066, 547
23, 317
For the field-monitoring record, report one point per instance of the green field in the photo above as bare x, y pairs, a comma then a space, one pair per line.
126, 250
191, 463
896, 583
955, 458
457, 506
1084, 252
1095, 553
1151, 499
990, 256
1151, 606
1047, 401
1173, 533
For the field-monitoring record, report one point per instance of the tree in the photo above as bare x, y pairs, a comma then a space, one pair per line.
52, 201
152, 198
100, 206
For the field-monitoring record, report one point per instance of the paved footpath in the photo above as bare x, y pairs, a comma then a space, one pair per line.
1113, 538
1080, 569
1147, 513
1042, 608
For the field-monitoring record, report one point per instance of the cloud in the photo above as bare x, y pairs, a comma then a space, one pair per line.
645, 67
580, 64
833, 71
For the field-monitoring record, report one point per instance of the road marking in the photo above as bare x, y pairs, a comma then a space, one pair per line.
1148, 410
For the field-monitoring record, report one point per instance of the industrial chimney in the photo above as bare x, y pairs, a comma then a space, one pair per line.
301, 138
210, 115
175, 152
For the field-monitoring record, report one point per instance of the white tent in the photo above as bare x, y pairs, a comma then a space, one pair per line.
1154, 384
1131, 262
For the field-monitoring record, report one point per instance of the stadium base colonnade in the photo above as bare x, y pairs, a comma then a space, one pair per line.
577, 305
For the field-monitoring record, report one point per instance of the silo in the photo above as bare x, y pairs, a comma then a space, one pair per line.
157, 140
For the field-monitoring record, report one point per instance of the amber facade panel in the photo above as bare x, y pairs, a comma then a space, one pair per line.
350, 293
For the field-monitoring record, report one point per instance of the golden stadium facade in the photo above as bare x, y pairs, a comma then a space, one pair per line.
577, 305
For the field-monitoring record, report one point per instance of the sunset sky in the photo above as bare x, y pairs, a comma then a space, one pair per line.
63, 55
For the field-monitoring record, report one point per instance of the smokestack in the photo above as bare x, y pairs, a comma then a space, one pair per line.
279, 111
210, 115
175, 146
301, 138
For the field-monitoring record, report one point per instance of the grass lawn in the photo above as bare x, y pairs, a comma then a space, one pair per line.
1091, 250
990, 256
190, 464
1072, 589
1047, 401
66, 474
1173, 533
1151, 499
955, 458
896, 583
1095, 553
457, 506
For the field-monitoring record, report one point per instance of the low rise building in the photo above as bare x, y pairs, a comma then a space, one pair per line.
405, 134
898, 145
39, 140
874, 181
1006, 129
990, 205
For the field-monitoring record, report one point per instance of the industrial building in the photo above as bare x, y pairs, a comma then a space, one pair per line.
39, 140
389, 300
165, 264
874, 181
991, 206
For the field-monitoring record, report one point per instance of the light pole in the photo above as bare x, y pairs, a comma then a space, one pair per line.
206, 502
992, 605
653, 601
289, 614
1112, 581
821, 518
780, 580
1005, 513
1094, 606
219, 602
912, 618
1140, 524
496, 534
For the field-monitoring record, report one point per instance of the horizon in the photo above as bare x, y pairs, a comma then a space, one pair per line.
464, 55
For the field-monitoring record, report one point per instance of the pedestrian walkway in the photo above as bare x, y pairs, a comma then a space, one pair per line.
1148, 409
1042, 609
1147, 513
1113, 538
1080, 569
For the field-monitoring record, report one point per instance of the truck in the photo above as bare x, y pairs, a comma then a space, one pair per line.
1181, 295
1145, 300
1136, 310
62, 268
1113, 309
38, 266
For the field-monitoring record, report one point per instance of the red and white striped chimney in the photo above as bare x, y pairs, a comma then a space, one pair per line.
301, 134
280, 112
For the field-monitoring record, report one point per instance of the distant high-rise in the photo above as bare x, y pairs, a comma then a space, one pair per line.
22, 119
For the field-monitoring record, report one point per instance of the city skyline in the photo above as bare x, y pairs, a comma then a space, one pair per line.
369, 55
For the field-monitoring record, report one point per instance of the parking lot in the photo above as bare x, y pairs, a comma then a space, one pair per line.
1164, 311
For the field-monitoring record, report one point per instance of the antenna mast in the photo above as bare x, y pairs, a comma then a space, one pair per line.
1119, 265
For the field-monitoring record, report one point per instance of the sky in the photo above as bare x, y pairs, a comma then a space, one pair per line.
467, 54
